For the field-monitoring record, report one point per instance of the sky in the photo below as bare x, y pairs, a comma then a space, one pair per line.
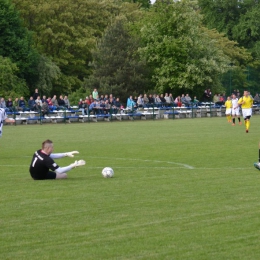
152, 1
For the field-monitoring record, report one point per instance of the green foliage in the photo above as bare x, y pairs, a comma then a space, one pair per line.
10, 84
66, 31
48, 72
181, 53
143, 3
15, 42
240, 22
117, 68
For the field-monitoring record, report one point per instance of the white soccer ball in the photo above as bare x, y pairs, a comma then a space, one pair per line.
107, 172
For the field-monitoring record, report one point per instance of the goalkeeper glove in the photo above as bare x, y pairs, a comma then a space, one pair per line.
71, 154
78, 163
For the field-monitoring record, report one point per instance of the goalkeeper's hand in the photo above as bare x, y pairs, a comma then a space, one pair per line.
78, 163
71, 154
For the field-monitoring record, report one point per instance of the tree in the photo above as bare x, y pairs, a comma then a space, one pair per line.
66, 32
16, 42
178, 49
10, 83
117, 68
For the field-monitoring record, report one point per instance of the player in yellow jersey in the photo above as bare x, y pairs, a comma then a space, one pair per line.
246, 103
228, 105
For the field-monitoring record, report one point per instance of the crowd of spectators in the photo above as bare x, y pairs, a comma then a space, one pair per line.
104, 104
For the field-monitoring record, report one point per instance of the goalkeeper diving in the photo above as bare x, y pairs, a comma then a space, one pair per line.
43, 166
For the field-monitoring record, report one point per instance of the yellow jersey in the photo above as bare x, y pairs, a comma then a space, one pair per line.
228, 104
248, 102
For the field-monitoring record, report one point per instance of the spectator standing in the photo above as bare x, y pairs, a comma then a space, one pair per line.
95, 93
36, 94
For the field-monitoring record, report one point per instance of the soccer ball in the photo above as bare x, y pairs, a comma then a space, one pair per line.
107, 172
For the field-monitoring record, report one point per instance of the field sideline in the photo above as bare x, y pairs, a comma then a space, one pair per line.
183, 189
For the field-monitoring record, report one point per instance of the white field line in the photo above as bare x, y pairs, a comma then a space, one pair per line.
177, 165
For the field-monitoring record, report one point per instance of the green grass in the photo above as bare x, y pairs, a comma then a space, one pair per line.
183, 189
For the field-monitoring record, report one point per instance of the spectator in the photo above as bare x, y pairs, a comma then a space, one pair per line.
95, 93
177, 101
38, 100
183, 100
61, 102
171, 98
82, 107
9, 104
188, 99
130, 103
49, 102
151, 99
87, 101
31, 104
140, 101
67, 102
256, 99
44, 99
36, 94
146, 100
207, 95
167, 99
215, 98
54, 102
163, 101
45, 109
15, 104
106, 107
3, 104
21, 104
117, 105
157, 101
195, 101
91, 99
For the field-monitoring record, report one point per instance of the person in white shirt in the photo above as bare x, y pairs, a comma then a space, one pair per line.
3, 117
235, 110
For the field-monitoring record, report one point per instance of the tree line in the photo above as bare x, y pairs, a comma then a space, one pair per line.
128, 47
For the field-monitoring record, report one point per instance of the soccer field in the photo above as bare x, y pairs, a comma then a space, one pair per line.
182, 189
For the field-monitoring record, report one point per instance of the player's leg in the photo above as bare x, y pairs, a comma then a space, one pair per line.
61, 175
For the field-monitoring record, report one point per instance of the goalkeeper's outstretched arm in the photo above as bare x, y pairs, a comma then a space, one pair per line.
61, 155
61, 171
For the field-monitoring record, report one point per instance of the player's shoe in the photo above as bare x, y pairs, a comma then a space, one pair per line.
246, 130
240, 123
257, 166
233, 124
